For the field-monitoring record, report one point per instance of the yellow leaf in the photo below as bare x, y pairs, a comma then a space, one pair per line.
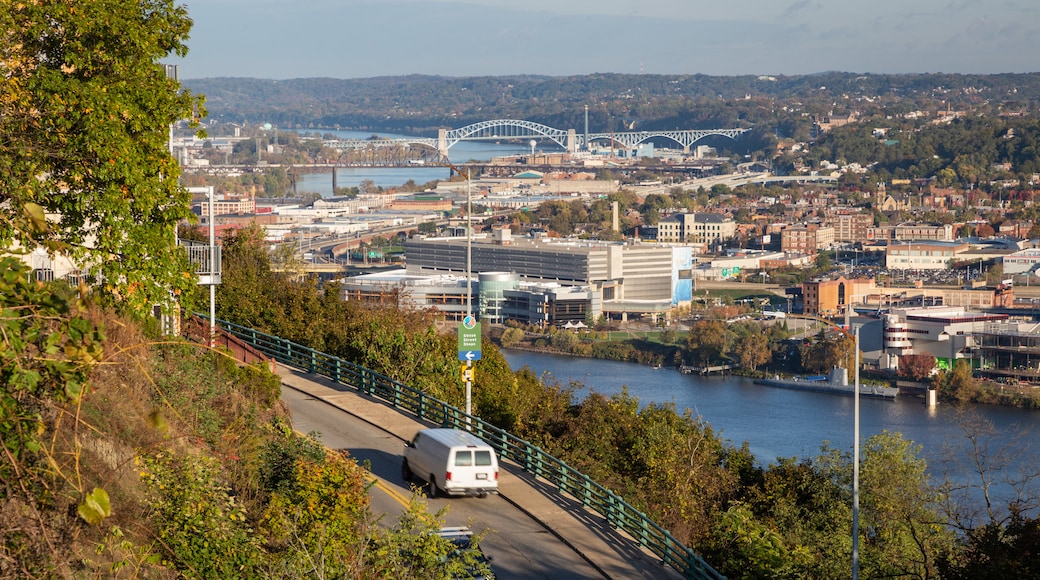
95, 506
37, 217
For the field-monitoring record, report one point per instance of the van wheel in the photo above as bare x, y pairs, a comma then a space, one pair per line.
406, 472
433, 487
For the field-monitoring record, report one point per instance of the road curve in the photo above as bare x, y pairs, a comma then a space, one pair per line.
534, 531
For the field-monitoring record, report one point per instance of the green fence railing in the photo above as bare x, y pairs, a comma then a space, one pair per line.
532, 459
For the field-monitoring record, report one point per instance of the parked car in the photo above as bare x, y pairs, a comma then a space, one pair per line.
473, 562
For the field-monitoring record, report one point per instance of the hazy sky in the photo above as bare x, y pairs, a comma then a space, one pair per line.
282, 39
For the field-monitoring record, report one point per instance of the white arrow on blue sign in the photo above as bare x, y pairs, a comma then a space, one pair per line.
469, 340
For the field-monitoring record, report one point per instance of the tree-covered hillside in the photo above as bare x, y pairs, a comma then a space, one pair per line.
420, 104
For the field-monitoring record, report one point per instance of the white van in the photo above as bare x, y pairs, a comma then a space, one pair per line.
453, 462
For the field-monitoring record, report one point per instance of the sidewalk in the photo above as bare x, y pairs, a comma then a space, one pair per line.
613, 552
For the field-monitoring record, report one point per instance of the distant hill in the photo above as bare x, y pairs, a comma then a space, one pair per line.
419, 104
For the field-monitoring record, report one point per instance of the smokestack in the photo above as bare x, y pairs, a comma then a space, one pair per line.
586, 127
614, 213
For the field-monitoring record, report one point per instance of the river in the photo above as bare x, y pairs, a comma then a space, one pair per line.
394, 176
778, 422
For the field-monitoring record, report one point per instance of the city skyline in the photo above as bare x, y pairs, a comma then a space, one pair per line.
279, 39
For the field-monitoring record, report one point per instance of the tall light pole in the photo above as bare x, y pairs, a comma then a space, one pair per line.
468, 320
855, 471
855, 444
213, 271
469, 286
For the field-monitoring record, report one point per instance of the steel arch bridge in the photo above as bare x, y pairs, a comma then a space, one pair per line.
686, 138
507, 129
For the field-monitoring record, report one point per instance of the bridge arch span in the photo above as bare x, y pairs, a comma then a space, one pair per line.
686, 138
504, 129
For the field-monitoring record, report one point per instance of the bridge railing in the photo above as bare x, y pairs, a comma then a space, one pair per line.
617, 512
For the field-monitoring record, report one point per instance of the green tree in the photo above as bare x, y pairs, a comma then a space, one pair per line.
511, 336
85, 111
958, 383
826, 353
707, 340
997, 551
753, 350
900, 517
564, 340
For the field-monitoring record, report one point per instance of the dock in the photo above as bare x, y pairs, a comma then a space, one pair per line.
836, 383
686, 370
869, 391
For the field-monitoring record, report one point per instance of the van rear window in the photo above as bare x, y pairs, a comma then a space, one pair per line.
463, 458
483, 457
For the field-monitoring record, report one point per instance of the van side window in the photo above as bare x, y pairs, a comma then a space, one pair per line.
463, 458
483, 457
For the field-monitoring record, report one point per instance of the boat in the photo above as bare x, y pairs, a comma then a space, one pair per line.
836, 383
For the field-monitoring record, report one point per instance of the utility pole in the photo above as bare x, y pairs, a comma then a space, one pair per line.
468, 355
855, 471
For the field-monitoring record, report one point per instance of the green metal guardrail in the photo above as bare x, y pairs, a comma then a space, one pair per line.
532, 459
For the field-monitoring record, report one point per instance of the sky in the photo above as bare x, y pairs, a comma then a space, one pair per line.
345, 39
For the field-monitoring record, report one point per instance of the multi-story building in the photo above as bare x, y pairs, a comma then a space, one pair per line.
923, 255
630, 279
225, 205
494, 297
947, 333
834, 297
910, 232
806, 239
1008, 350
1021, 262
702, 227
848, 226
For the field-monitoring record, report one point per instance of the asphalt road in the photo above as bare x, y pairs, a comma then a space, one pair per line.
518, 545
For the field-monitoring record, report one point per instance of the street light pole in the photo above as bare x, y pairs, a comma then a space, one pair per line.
469, 284
855, 471
212, 272
469, 279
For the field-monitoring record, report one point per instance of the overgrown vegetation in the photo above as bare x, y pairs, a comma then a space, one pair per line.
788, 519
125, 454
128, 456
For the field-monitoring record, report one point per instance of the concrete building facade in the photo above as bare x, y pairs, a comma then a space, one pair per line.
629, 279
702, 227
494, 297
1022, 262
910, 232
849, 227
923, 255
806, 239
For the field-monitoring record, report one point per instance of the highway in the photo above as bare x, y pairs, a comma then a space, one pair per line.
520, 547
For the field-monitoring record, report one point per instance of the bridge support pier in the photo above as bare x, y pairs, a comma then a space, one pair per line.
572, 141
442, 142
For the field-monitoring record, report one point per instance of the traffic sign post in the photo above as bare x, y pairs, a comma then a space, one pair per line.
469, 351
469, 340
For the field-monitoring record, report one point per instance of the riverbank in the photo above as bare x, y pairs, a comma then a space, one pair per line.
647, 347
